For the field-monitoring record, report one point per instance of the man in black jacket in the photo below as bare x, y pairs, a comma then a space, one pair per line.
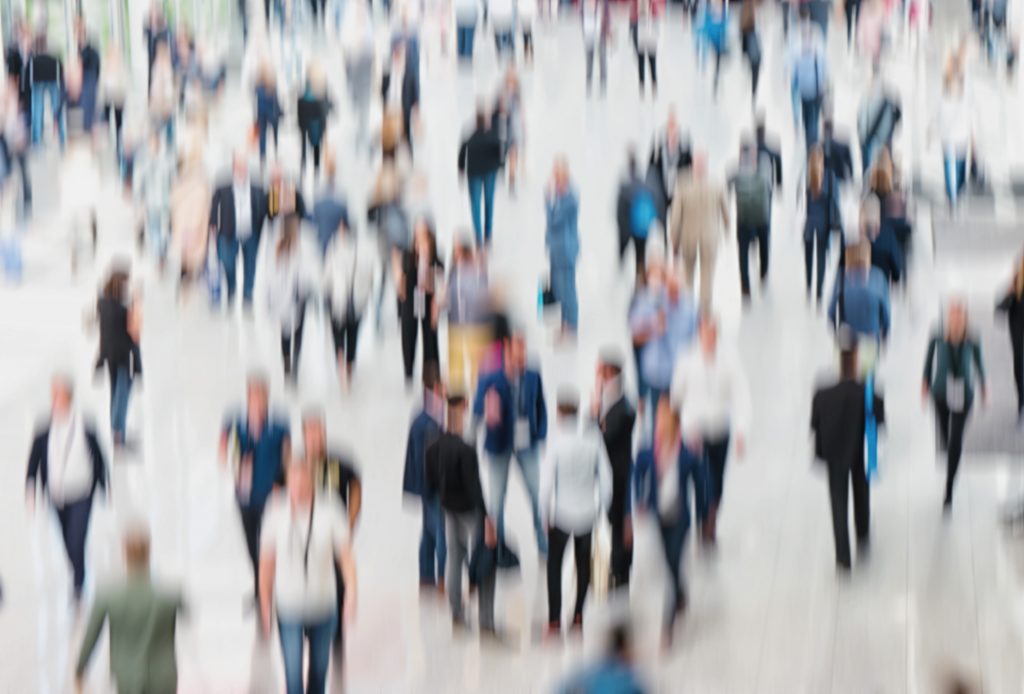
838, 416
616, 417
670, 156
453, 472
631, 196
66, 463
237, 214
479, 162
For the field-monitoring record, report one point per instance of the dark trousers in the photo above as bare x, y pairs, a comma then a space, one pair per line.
652, 59
755, 76
464, 35
317, 147
557, 540
817, 238
291, 344
852, 8
673, 540
339, 586
263, 125
839, 479
810, 110
694, 471
252, 521
1017, 343
433, 547
951, 435
622, 556
319, 8
410, 330
346, 333
747, 236
716, 452
528, 44
74, 527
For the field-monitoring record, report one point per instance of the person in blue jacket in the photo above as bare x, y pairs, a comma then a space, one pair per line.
712, 34
510, 404
613, 674
860, 298
562, 240
660, 479
425, 429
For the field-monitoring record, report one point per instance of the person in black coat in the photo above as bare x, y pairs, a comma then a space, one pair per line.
670, 156
616, 417
233, 228
420, 268
1012, 304
67, 465
479, 162
119, 349
838, 416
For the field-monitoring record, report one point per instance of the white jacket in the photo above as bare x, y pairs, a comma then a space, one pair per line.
348, 272
712, 397
284, 286
576, 478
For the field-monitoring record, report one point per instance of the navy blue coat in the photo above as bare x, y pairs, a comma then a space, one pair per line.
39, 459
501, 438
423, 431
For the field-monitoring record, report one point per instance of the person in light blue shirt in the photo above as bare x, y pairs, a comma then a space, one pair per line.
676, 329
864, 305
562, 240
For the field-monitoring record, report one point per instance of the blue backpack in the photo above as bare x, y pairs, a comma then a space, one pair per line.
642, 213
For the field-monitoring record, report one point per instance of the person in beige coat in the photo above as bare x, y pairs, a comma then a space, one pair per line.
190, 213
697, 222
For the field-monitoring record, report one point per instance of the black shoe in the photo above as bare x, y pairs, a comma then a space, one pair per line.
947, 505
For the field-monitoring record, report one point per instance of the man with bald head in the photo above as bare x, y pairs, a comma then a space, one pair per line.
237, 214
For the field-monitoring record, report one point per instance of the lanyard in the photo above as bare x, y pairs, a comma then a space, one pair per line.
309, 538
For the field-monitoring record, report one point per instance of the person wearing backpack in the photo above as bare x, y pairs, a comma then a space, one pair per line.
952, 365
752, 185
636, 212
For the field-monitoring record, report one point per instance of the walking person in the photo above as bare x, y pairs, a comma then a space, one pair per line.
526, 16
712, 35
46, 81
418, 281
710, 391
425, 429
313, 109
615, 417
453, 476
955, 123
951, 367
670, 156
287, 290
152, 180
502, 15
648, 35
663, 470
597, 32
306, 532
237, 214
67, 465
467, 14
358, 49
347, 286
120, 321
514, 128
467, 305
810, 80
750, 41
190, 214
400, 87
1012, 304
479, 161
257, 443
142, 618
636, 214
330, 211
336, 475
562, 240
575, 486
877, 119
838, 418
268, 108
510, 404
821, 209
752, 185
89, 63
699, 218
860, 300
163, 99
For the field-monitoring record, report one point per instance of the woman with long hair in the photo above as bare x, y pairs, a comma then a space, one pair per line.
819, 207
418, 279
120, 322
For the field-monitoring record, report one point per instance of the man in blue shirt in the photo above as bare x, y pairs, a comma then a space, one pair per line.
258, 446
510, 402
329, 210
425, 430
860, 297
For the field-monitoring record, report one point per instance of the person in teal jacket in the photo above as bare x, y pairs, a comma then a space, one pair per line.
952, 365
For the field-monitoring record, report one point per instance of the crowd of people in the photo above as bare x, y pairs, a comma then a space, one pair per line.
658, 429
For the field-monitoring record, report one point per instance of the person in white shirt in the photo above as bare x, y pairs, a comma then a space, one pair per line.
576, 485
955, 121
286, 293
67, 465
710, 393
304, 533
347, 284
503, 20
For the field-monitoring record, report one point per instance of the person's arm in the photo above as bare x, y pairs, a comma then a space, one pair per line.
980, 367
548, 472
929, 363
542, 411
286, 455
463, 151
225, 435
471, 474
355, 501
348, 573
604, 478
97, 618
834, 301
268, 564
35, 460
723, 207
99, 463
885, 314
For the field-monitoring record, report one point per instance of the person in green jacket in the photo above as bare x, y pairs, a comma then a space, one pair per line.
951, 367
142, 620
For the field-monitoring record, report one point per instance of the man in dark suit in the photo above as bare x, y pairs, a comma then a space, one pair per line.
237, 214
68, 464
616, 417
838, 415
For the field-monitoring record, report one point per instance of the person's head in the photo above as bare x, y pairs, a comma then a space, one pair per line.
956, 320
858, 255
240, 166
62, 394
136, 549
432, 384
700, 165
515, 352
463, 250
672, 125
560, 174
456, 412
276, 175
256, 393
330, 164
567, 402
481, 118
759, 129
314, 432
423, 237
816, 170
512, 81
116, 286
672, 285
620, 639
707, 333
748, 154
827, 129
80, 33
299, 480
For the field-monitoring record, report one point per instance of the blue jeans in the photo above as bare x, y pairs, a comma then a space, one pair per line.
433, 548
39, 95
529, 466
464, 40
563, 286
482, 187
320, 636
227, 251
673, 540
954, 167
120, 392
